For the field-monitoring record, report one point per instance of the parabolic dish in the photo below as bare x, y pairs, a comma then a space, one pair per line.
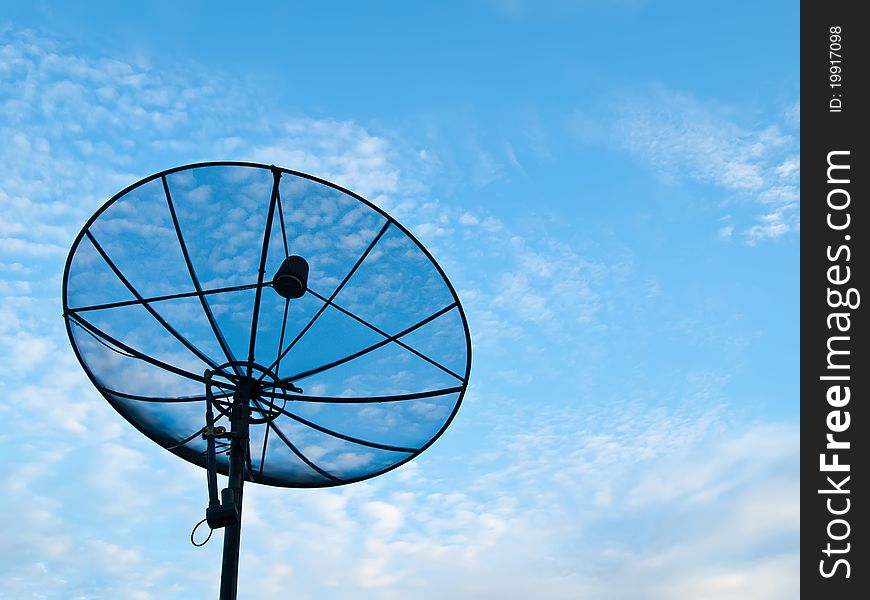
172, 278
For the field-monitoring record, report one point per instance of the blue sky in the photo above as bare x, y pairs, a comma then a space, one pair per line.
612, 187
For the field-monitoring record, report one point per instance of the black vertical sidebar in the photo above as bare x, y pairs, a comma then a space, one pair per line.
835, 221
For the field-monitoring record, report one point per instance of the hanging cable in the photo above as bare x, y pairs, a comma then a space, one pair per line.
205, 541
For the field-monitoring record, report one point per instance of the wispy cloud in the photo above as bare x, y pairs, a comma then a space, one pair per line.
548, 497
559, 508
81, 128
684, 138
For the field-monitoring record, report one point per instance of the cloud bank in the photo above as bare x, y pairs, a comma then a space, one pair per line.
537, 491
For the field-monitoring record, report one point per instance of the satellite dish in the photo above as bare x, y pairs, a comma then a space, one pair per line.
266, 325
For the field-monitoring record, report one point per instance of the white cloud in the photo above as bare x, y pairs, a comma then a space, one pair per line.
512, 515
76, 124
684, 138
533, 518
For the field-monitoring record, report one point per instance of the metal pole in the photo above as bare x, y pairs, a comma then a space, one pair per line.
232, 533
